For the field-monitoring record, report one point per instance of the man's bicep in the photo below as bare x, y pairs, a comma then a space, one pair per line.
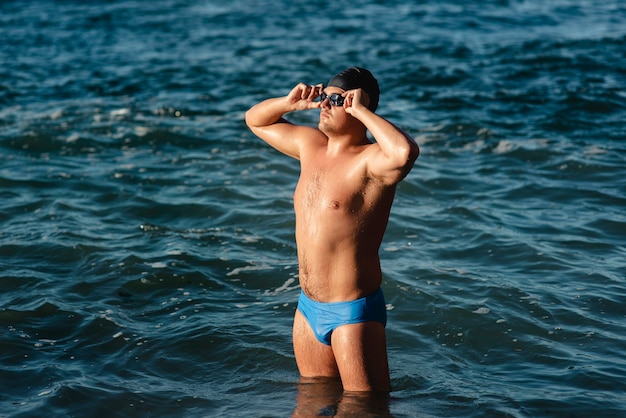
386, 169
281, 135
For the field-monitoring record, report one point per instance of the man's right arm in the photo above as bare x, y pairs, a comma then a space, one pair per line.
266, 120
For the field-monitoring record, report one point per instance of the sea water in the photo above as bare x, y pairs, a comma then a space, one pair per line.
147, 254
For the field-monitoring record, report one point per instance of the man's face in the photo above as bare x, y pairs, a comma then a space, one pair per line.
332, 117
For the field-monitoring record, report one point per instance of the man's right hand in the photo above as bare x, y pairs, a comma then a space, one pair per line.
302, 96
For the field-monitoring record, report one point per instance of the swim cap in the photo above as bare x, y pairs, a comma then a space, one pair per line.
354, 78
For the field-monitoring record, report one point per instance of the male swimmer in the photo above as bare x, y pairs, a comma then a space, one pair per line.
342, 203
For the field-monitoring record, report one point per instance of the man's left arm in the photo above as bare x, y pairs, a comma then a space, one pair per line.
395, 151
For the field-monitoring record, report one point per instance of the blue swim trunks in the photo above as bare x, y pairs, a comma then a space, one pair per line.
324, 317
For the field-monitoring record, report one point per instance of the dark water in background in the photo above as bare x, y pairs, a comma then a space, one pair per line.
146, 237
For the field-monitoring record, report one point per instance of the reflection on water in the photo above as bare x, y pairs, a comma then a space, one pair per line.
324, 397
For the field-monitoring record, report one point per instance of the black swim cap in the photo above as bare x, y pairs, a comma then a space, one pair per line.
356, 77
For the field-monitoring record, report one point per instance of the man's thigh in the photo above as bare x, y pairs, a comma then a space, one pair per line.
361, 355
314, 359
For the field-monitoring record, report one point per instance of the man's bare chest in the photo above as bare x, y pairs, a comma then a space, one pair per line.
336, 187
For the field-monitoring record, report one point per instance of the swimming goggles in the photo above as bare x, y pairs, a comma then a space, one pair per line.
334, 99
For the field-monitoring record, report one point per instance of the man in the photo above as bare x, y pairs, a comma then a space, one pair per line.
342, 203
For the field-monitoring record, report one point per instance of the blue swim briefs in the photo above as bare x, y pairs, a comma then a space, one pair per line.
324, 317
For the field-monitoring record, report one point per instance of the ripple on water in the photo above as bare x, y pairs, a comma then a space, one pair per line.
147, 251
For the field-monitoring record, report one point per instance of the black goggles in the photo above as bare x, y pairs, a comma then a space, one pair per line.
334, 99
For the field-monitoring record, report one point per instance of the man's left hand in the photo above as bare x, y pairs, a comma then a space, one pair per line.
355, 100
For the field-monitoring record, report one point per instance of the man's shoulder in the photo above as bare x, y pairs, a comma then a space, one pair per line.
309, 136
309, 131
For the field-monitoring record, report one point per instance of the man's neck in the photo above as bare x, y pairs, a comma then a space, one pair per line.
338, 144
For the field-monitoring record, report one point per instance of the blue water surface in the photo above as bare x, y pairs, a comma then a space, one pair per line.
147, 256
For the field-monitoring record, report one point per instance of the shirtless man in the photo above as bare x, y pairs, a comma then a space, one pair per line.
342, 203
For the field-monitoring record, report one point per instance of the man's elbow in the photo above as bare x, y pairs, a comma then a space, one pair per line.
409, 153
249, 118
414, 151
411, 150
